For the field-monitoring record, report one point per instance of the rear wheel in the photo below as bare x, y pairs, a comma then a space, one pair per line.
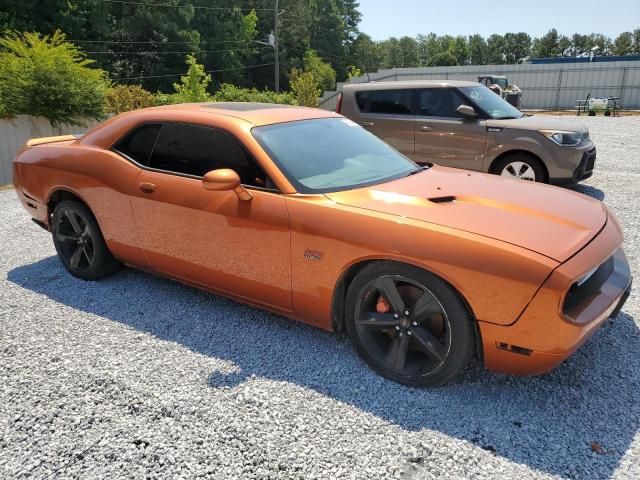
79, 242
520, 166
408, 325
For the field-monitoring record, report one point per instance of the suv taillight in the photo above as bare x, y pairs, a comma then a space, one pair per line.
339, 103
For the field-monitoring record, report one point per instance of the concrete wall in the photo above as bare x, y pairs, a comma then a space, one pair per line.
16, 131
545, 86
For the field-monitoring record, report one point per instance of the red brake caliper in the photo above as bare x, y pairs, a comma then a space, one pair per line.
382, 306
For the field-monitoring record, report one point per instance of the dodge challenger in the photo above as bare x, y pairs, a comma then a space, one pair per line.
302, 212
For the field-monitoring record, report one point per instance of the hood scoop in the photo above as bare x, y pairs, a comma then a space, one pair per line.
443, 199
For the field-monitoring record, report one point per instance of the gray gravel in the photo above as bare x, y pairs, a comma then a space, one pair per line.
137, 376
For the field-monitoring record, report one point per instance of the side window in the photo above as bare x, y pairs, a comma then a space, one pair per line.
138, 144
196, 150
440, 102
385, 101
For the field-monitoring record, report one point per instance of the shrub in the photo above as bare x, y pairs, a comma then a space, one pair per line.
231, 93
49, 77
123, 98
304, 87
192, 86
324, 74
353, 72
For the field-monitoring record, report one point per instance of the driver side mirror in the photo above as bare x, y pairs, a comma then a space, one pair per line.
225, 179
466, 111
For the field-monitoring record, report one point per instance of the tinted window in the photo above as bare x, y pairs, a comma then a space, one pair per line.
331, 154
196, 150
138, 144
440, 102
385, 101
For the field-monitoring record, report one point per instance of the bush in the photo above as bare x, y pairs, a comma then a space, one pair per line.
231, 93
192, 86
304, 87
324, 74
48, 77
124, 98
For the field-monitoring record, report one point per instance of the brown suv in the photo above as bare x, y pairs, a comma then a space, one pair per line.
466, 125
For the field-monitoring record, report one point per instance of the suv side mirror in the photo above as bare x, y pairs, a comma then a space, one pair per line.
466, 111
225, 179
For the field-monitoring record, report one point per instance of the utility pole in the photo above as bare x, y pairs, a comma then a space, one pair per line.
275, 48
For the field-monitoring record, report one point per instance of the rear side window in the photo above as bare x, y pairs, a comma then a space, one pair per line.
138, 144
196, 150
385, 101
440, 102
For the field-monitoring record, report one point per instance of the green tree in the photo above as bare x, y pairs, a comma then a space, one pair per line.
460, 50
496, 47
193, 86
304, 87
547, 45
365, 53
123, 98
49, 77
636, 41
477, 50
322, 71
517, 46
442, 59
353, 72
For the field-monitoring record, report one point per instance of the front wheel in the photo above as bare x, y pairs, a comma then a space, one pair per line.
79, 242
408, 325
522, 167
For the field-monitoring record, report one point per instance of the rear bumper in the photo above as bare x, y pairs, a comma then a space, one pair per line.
548, 331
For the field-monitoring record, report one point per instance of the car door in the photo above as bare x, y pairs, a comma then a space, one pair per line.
207, 237
445, 137
388, 115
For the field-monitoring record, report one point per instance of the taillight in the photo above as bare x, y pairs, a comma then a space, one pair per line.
339, 103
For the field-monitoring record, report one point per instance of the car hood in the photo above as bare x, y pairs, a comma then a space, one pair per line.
551, 221
539, 122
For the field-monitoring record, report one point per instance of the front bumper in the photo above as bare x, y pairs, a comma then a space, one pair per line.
583, 171
547, 333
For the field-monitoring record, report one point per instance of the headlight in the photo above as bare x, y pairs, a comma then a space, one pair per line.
568, 139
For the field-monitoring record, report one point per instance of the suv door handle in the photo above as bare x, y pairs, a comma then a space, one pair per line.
367, 124
146, 187
426, 128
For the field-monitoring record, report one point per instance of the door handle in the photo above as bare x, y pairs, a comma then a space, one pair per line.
146, 187
426, 128
367, 124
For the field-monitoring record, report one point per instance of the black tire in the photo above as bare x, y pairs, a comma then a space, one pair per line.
439, 336
79, 242
592, 114
534, 165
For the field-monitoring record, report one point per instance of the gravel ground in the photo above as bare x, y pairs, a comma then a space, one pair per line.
137, 376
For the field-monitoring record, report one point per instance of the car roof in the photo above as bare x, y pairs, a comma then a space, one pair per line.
409, 84
255, 113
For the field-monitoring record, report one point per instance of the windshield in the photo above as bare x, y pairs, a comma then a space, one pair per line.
331, 154
491, 103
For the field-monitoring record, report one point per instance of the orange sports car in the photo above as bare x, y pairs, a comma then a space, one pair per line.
304, 213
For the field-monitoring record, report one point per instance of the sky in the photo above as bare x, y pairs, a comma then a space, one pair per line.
386, 18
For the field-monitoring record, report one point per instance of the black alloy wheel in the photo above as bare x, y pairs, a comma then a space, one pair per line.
409, 325
79, 242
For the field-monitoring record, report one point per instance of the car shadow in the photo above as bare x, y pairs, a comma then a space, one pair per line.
592, 192
549, 423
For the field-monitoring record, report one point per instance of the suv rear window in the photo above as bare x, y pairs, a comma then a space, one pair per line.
385, 101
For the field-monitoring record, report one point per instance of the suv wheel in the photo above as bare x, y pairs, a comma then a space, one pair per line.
520, 166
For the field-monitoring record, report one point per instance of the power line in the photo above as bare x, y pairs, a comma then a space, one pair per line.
207, 71
153, 42
172, 52
195, 7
